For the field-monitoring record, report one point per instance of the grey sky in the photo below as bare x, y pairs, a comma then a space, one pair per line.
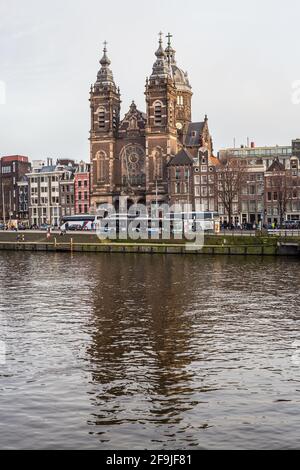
242, 58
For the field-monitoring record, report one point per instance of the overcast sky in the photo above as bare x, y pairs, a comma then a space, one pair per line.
242, 58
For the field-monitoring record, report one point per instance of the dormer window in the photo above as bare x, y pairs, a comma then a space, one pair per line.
294, 164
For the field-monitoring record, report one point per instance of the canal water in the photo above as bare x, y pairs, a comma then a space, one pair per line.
116, 351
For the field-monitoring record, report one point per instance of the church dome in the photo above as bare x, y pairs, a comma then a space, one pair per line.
180, 78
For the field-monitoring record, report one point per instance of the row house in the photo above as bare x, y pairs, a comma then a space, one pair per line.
180, 180
51, 193
82, 188
205, 178
282, 192
12, 170
251, 199
23, 187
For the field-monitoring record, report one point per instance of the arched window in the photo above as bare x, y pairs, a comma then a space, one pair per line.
102, 168
157, 113
180, 100
115, 119
101, 118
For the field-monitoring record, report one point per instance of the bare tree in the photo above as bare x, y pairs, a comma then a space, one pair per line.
231, 175
282, 187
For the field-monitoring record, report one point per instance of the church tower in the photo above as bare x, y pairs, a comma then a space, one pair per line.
160, 131
105, 105
183, 110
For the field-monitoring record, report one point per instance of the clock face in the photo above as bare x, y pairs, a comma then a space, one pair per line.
179, 126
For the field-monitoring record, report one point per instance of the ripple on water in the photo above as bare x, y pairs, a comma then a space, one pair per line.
148, 352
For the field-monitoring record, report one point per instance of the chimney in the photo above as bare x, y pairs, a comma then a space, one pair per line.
253, 145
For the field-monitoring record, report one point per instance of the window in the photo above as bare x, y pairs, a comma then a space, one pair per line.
115, 120
79, 184
157, 113
197, 179
101, 118
6, 169
244, 206
177, 174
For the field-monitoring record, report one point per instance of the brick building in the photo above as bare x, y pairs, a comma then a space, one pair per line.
134, 157
82, 188
12, 170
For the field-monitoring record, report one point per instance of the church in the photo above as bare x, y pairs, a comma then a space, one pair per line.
140, 155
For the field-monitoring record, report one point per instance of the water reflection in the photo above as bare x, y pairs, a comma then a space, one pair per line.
113, 351
165, 338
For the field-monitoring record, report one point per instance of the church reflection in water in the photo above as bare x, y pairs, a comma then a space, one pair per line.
141, 340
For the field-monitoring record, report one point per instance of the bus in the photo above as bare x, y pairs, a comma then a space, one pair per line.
172, 223
195, 221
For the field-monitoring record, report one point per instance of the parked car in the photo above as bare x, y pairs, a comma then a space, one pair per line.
45, 227
2, 227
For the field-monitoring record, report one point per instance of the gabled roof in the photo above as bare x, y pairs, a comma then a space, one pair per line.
193, 135
137, 117
181, 158
276, 166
